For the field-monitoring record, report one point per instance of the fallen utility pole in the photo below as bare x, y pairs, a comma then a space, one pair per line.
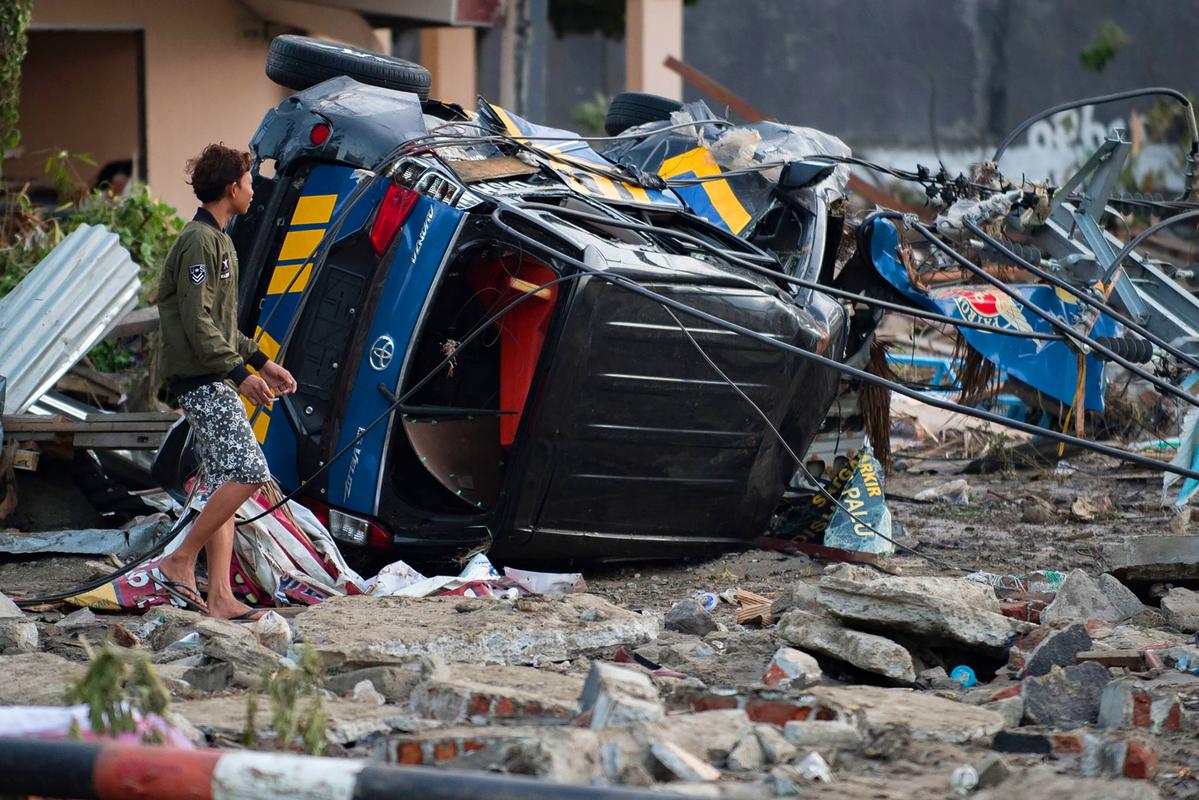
116, 772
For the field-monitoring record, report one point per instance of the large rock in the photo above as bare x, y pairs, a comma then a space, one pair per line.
1058, 649
1180, 607
37, 679
948, 609
925, 716
618, 696
866, 651
1065, 698
351, 632
1080, 598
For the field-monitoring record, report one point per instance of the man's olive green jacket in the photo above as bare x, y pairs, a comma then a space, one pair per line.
197, 310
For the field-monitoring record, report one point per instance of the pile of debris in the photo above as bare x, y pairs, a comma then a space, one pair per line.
891, 685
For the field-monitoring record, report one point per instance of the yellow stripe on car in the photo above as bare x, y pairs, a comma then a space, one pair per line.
314, 209
700, 163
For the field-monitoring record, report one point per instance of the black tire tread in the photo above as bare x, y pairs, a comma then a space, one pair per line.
298, 63
628, 109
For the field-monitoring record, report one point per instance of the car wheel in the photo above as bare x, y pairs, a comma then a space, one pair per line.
637, 108
299, 62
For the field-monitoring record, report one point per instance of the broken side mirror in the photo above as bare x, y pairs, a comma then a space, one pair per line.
800, 174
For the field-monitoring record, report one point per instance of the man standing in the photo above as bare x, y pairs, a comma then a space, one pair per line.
202, 349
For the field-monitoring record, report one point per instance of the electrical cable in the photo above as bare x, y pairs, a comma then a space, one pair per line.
862, 375
1082, 296
136, 561
1111, 98
1111, 355
1142, 236
911, 311
798, 461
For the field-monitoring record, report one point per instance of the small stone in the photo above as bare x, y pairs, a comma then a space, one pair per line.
9, 609
17, 635
365, 692
747, 755
785, 781
992, 771
688, 616
1065, 698
77, 620
956, 492
775, 747
1058, 649
618, 696
791, 667
1036, 514
685, 766
822, 735
1011, 709
210, 678
1180, 607
122, 636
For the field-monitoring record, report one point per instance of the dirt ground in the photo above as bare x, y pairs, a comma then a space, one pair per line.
988, 533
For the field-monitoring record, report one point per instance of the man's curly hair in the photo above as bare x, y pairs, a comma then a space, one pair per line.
214, 169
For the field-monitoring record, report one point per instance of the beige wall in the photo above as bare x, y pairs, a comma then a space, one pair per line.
653, 31
449, 54
205, 78
88, 78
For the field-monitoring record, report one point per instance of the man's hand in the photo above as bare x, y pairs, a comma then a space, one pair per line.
256, 391
279, 379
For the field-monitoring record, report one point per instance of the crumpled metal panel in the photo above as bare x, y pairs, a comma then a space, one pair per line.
62, 309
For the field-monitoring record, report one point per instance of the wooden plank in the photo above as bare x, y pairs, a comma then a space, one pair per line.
714, 89
135, 416
137, 321
492, 169
119, 440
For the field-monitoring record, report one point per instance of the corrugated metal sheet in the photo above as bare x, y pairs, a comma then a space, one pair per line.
61, 310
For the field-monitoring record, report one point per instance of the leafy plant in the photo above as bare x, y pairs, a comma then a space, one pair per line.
1104, 46
14, 23
589, 114
286, 689
118, 684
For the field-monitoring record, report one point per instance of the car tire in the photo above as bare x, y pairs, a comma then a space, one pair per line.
637, 108
299, 62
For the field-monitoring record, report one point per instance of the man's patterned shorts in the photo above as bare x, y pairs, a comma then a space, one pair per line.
225, 442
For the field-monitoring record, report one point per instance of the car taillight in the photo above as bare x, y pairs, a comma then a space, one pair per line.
319, 133
349, 528
396, 206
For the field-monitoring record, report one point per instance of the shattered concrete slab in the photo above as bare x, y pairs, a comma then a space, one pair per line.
949, 609
37, 679
866, 651
1180, 607
224, 718
349, 632
496, 694
1081, 598
926, 716
1153, 557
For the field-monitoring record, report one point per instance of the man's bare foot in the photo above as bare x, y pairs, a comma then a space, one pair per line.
183, 576
229, 608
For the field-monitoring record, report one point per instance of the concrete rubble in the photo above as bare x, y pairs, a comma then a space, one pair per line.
867, 682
